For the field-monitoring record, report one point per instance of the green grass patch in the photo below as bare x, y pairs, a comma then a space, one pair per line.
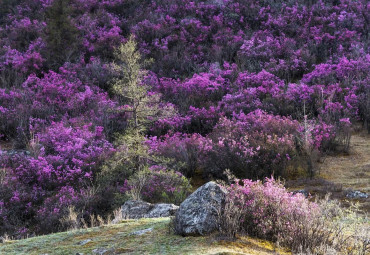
119, 240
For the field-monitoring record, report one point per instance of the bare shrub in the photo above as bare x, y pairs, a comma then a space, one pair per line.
71, 220
92, 220
137, 182
117, 216
74, 220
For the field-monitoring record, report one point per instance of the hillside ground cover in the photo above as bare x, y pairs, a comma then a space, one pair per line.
160, 240
100, 100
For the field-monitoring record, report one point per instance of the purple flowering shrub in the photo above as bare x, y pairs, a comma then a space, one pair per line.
77, 152
253, 145
39, 187
182, 149
267, 210
195, 91
53, 98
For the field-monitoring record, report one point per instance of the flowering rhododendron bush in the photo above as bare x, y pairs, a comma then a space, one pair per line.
268, 210
251, 86
253, 145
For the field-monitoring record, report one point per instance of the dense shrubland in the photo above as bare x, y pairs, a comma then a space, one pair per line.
103, 100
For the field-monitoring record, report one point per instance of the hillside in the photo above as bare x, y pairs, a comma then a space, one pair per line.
105, 102
118, 239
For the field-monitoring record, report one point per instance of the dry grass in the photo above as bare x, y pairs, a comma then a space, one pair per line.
117, 237
352, 170
340, 173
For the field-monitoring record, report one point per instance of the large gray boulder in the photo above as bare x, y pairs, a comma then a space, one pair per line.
198, 214
134, 209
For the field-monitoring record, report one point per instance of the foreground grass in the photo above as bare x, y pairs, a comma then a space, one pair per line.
119, 240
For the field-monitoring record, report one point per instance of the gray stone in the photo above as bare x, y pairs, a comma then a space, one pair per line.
302, 191
83, 242
133, 209
139, 209
142, 232
356, 194
16, 152
219, 3
102, 251
162, 210
198, 214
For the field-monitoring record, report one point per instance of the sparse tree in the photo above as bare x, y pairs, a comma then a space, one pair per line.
143, 107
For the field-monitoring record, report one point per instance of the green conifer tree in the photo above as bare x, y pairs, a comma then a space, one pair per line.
144, 108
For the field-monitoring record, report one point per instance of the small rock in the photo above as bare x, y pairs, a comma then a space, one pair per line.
84, 242
356, 194
141, 232
17, 152
219, 3
139, 209
102, 251
301, 191
198, 214
162, 210
133, 209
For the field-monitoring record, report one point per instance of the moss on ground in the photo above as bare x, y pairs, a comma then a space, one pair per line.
118, 239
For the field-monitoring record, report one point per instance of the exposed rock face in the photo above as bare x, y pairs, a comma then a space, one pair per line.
103, 251
133, 209
356, 194
162, 210
302, 191
83, 242
198, 214
139, 209
142, 232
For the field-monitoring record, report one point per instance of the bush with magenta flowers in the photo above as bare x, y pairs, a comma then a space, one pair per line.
254, 145
200, 90
267, 210
182, 149
38, 188
53, 98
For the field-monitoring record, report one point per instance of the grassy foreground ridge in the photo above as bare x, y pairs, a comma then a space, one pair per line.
118, 239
